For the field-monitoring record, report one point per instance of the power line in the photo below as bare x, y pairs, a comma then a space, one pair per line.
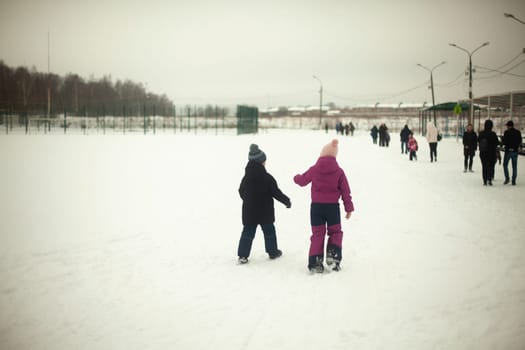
502, 72
376, 97
456, 82
452, 82
512, 60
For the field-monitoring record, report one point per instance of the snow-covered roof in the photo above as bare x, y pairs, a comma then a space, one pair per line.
316, 108
297, 109
269, 110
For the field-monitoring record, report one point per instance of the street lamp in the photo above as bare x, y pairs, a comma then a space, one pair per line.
48, 78
510, 15
471, 114
431, 70
320, 101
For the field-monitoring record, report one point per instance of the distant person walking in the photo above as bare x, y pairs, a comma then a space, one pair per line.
258, 189
470, 144
488, 149
432, 138
339, 128
373, 132
404, 139
383, 135
511, 142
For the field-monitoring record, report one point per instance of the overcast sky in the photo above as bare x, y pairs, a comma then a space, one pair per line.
265, 52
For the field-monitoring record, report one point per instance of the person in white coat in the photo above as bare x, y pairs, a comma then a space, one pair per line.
432, 138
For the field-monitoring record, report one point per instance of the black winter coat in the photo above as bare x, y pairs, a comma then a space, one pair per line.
404, 134
488, 145
512, 139
470, 143
374, 131
257, 190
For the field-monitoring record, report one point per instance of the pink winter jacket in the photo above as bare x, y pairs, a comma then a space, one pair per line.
329, 183
412, 144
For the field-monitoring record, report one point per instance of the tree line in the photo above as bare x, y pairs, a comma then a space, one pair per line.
24, 91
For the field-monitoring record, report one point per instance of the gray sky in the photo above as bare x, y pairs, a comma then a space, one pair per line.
265, 52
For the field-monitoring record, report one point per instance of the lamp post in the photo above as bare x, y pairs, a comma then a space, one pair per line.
471, 114
48, 78
320, 102
431, 70
510, 15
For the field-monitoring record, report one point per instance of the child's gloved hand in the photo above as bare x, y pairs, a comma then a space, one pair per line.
289, 205
348, 215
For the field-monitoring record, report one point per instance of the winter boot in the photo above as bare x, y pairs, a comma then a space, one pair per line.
277, 254
333, 255
315, 264
243, 260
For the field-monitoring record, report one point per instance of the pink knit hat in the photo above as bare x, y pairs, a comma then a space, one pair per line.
330, 150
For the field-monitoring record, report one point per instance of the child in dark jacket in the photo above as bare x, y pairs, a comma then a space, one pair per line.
329, 183
258, 189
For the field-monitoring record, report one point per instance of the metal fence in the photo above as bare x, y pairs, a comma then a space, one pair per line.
187, 120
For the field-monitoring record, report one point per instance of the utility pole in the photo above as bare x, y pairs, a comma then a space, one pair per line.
48, 79
471, 107
320, 103
431, 70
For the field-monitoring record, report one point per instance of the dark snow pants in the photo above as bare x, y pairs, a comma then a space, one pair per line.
468, 161
487, 165
433, 151
325, 218
248, 233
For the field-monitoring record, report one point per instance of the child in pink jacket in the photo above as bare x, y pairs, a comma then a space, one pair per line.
329, 183
412, 147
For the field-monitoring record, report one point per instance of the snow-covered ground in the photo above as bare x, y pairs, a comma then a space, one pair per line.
129, 242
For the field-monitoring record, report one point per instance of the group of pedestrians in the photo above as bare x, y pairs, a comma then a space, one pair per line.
490, 151
409, 143
487, 142
258, 189
343, 129
382, 132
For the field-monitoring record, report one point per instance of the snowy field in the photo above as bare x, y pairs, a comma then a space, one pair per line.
129, 242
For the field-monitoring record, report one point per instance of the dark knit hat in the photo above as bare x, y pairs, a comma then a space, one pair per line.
510, 123
256, 154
